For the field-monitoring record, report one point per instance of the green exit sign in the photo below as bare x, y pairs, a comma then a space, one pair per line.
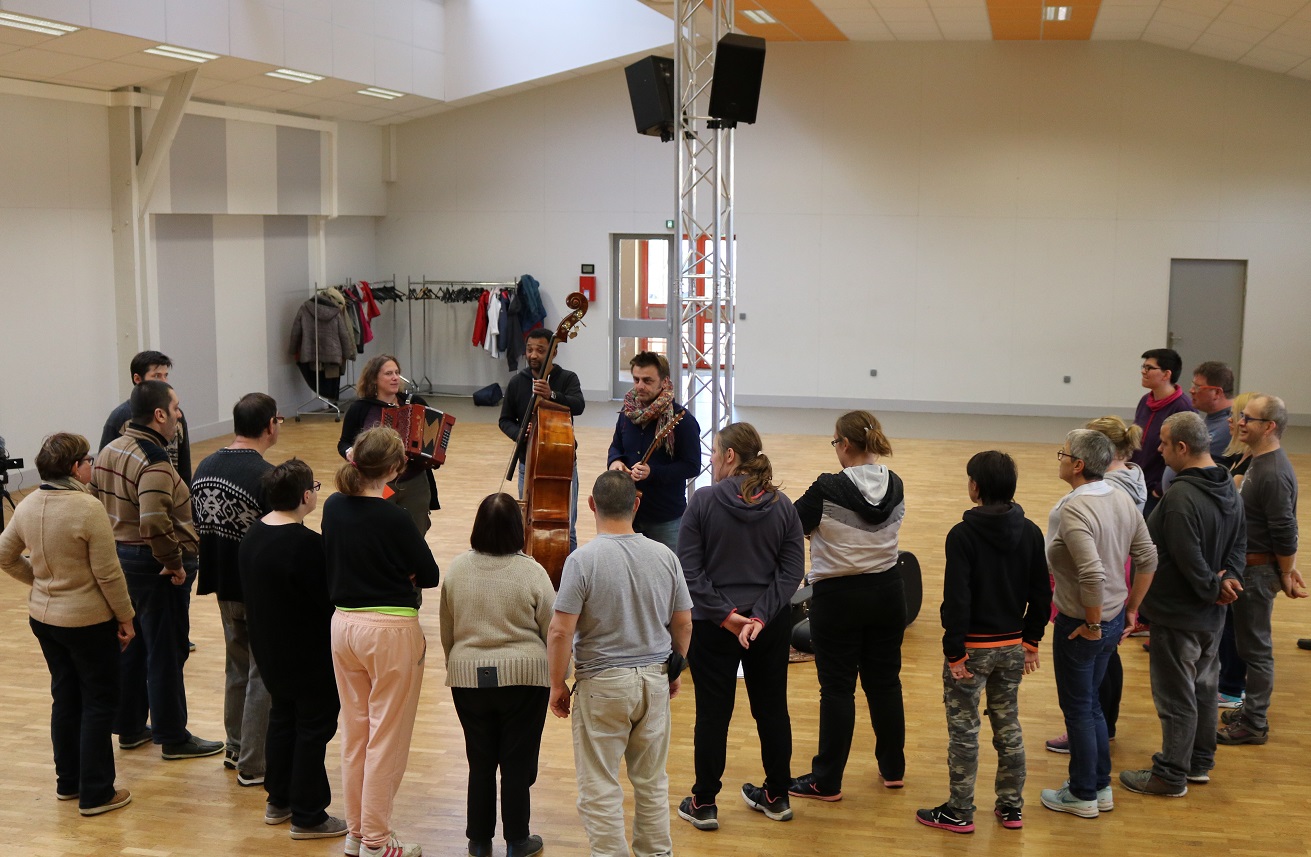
669, 224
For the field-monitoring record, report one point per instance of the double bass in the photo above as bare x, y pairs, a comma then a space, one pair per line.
549, 463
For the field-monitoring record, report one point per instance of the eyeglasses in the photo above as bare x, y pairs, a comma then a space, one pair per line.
835, 441
1244, 418
317, 485
1147, 367
90, 459
1060, 454
1194, 390
279, 419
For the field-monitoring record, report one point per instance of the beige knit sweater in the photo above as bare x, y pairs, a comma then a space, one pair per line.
74, 573
495, 611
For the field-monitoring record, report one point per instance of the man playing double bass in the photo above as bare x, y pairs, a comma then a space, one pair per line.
662, 479
561, 387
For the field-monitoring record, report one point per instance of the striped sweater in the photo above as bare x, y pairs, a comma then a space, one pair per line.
147, 501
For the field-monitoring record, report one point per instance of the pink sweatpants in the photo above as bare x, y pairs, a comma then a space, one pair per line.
379, 663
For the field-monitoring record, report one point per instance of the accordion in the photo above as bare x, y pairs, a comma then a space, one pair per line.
426, 432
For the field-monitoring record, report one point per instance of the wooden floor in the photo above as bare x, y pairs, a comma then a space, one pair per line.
1256, 803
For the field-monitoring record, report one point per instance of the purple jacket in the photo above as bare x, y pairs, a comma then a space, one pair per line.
1149, 457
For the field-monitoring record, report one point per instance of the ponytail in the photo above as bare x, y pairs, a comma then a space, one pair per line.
745, 442
376, 452
861, 429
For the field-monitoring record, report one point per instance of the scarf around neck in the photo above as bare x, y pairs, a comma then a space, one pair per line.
1156, 404
661, 410
68, 483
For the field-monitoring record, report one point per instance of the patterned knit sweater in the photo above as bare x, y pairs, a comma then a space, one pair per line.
495, 611
228, 498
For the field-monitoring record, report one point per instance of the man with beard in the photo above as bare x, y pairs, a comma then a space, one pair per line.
561, 387
662, 480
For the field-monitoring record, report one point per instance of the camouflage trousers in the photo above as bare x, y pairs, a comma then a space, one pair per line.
998, 672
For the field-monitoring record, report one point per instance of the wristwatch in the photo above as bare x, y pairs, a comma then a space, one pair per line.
1093, 626
552, 396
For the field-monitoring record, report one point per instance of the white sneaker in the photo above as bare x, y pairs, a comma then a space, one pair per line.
1105, 800
393, 847
1061, 800
352, 845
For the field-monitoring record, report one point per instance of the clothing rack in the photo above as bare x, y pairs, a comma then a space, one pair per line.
327, 406
384, 291
449, 291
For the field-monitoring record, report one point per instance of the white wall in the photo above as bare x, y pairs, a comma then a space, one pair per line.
492, 44
57, 296
973, 220
529, 184
230, 275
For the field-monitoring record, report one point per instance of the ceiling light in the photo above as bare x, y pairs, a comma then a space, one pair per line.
760, 16
1057, 13
181, 53
35, 25
297, 76
385, 94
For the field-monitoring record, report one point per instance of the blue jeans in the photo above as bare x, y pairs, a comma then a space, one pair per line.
665, 532
151, 665
1080, 666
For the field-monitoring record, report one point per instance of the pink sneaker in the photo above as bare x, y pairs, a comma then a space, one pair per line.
1059, 744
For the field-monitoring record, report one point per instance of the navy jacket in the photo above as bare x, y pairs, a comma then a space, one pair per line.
664, 492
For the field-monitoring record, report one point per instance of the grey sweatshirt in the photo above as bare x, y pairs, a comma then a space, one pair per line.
1270, 500
741, 556
1200, 539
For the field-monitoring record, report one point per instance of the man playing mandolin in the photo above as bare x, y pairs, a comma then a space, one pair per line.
560, 386
658, 442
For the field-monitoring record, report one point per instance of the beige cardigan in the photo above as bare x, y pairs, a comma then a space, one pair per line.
495, 611
74, 572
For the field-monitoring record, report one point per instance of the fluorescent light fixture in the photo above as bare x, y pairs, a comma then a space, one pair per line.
760, 16
385, 94
291, 74
181, 53
1057, 13
35, 25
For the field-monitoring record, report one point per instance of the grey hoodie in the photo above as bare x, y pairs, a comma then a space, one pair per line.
1131, 480
1200, 533
741, 556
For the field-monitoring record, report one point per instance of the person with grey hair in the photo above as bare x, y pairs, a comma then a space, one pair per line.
1270, 502
1200, 538
1090, 534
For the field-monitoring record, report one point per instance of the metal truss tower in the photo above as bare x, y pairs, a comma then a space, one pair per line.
703, 286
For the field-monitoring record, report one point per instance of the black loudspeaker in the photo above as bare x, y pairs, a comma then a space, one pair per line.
651, 89
735, 89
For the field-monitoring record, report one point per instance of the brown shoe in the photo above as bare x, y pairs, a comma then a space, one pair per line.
1241, 732
121, 798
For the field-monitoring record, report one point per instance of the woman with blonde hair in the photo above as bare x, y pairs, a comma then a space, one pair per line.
382, 386
79, 612
376, 562
1233, 669
742, 553
858, 611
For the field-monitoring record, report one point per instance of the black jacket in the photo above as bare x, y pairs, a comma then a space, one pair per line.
519, 396
1200, 530
995, 586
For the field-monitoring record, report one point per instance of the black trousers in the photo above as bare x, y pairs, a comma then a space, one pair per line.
502, 729
84, 691
713, 656
300, 726
1111, 691
856, 625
